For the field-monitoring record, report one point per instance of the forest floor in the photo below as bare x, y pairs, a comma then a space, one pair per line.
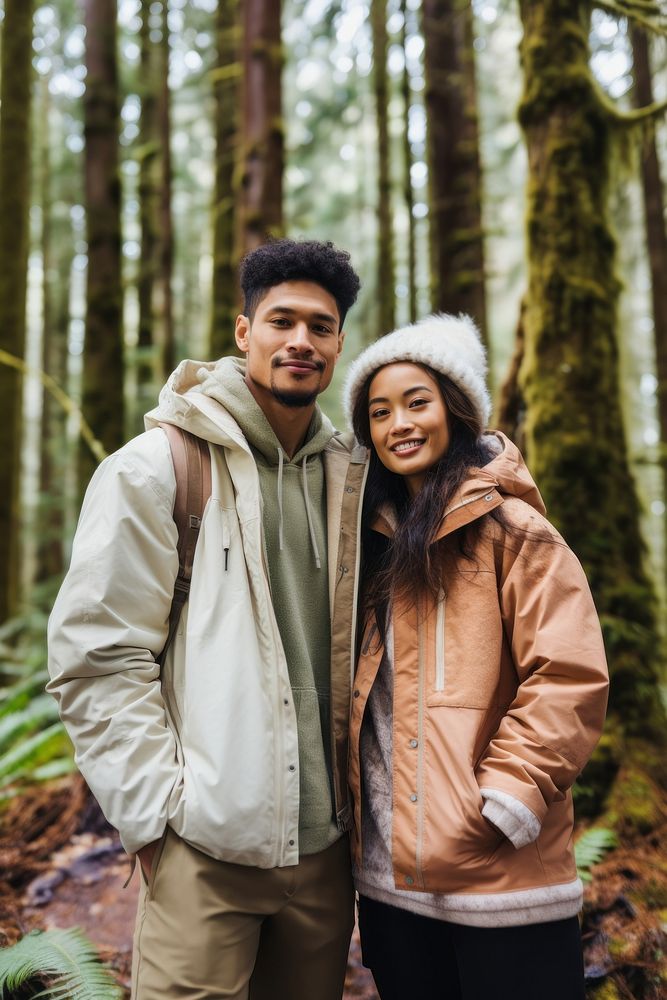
61, 865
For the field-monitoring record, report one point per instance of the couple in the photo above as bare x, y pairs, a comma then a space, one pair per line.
383, 636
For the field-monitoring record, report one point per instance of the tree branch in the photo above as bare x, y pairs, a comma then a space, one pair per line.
644, 12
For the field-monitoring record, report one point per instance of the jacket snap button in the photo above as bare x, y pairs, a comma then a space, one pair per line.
414, 743
413, 797
292, 767
489, 496
409, 880
291, 843
349, 489
357, 693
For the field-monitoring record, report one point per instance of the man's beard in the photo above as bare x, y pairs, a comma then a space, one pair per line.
294, 399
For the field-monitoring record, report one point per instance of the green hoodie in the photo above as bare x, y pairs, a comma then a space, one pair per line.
294, 520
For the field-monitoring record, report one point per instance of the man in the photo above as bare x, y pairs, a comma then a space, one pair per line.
224, 770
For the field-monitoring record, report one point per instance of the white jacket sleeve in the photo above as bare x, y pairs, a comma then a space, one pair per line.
108, 624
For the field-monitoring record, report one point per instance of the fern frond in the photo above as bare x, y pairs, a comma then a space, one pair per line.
591, 848
65, 956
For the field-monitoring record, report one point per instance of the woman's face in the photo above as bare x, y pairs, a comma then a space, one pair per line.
408, 421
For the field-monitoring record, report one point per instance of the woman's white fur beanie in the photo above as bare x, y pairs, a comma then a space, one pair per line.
451, 345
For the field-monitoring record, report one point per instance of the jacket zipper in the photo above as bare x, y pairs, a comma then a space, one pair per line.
420, 757
226, 538
440, 643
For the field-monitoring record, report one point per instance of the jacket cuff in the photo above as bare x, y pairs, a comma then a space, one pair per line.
519, 824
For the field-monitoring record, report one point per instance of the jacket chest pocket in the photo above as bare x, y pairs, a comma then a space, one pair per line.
463, 652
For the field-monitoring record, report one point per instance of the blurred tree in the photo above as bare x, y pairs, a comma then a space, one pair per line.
164, 308
456, 235
15, 103
102, 384
57, 252
225, 294
656, 234
260, 202
408, 194
574, 429
385, 293
149, 156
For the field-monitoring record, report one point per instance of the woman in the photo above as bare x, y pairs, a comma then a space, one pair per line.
479, 694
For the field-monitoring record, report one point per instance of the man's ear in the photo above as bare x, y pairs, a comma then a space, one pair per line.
242, 333
341, 338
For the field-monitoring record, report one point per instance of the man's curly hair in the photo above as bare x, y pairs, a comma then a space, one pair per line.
298, 260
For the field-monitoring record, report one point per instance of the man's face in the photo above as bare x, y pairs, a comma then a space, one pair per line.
292, 344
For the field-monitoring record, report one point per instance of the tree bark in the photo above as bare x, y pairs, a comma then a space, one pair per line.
456, 235
569, 378
261, 194
102, 389
385, 291
656, 235
225, 294
15, 103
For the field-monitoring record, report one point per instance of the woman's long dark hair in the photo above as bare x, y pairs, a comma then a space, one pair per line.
411, 565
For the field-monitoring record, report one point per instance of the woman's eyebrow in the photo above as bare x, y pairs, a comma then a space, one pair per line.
408, 392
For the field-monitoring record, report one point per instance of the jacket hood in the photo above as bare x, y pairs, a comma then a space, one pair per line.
211, 400
507, 472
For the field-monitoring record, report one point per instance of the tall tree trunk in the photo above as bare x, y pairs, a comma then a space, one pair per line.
15, 103
574, 429
408, 193
102, 389
386, 299
225, 296
456, 236
166, 262
656, 236
149, 184
261, 195
55, 318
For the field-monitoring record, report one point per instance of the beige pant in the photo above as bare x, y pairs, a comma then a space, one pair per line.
207, 929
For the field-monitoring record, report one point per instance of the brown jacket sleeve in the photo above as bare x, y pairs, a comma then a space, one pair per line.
556, 717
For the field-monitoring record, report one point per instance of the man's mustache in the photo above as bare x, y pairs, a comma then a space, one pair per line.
278, 361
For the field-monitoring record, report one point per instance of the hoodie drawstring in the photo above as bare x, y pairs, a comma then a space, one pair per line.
306, 500
280, 499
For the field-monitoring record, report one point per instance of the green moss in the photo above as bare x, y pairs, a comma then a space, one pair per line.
607, 990
633, 806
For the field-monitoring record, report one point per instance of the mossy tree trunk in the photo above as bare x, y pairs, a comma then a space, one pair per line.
15, 103
102, 388
569, 379
260, 215
455, 216
656, 234
385, 295
408, 193
225, 295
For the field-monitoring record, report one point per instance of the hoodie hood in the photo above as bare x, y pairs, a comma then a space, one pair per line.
212, 401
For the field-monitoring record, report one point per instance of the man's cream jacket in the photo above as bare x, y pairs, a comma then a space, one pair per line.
208, 744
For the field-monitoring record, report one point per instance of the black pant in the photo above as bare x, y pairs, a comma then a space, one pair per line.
419, 958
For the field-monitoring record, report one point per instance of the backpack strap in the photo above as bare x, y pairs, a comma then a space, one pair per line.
192, 466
